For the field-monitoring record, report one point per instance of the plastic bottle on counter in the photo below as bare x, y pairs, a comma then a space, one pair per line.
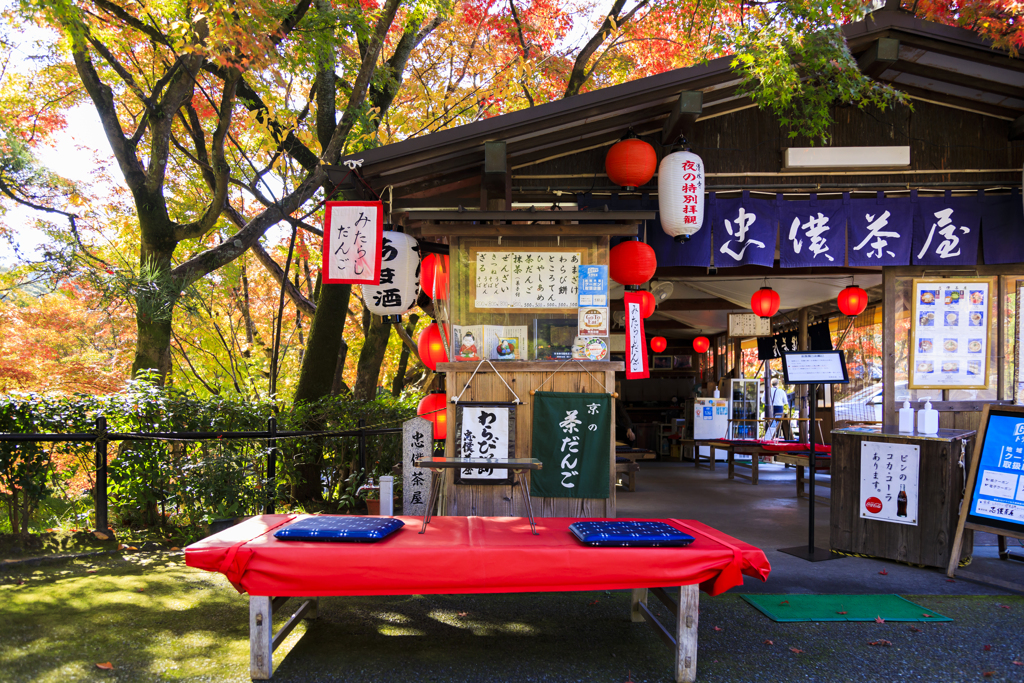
906, 418
927, 419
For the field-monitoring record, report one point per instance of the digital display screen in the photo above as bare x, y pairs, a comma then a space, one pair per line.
814, 367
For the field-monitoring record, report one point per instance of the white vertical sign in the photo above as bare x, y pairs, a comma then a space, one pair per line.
889, 482
417, 440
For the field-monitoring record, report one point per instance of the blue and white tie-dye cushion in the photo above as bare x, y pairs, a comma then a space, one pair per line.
340, 529
626, 534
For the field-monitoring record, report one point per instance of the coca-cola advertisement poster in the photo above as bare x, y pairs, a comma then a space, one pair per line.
888, 482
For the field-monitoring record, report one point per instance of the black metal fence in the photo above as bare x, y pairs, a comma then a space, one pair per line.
101, 437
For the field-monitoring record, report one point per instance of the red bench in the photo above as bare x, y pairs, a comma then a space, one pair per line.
471, 555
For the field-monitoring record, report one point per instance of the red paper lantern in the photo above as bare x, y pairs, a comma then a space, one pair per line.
658, 344
434, 407
765, 302
431, 347
630, 162
428, 272
853, 300
646, 303
632, 263
701, 344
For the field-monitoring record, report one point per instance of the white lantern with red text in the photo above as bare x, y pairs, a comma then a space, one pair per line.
681, 194
399, 277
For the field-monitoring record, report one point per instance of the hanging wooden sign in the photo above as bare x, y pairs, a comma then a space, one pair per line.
485, 430
994, 495
353, 232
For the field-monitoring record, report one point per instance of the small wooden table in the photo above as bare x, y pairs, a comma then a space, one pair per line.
519, 466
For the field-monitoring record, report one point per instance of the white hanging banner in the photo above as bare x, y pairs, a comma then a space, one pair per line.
353, 233
889, 482
399, 285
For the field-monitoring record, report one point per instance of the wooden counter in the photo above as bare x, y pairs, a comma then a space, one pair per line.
940, 488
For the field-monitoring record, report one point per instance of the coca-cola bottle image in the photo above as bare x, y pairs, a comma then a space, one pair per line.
901, 502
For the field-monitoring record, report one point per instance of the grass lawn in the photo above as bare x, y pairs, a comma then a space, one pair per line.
155, 619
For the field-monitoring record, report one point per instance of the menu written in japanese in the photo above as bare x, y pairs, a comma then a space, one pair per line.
999, 487
889, 482
949, 346
527, 279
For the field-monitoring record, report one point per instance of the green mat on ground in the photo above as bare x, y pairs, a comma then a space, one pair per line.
841, 608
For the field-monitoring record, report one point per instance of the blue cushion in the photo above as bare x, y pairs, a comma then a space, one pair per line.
340, 529
629, 534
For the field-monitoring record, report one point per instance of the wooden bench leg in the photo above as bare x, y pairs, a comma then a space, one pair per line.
731, 459
754, 458
686, 634
261, 635
799, 481
639, 596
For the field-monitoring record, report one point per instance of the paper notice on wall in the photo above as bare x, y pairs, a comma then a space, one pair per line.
526, 279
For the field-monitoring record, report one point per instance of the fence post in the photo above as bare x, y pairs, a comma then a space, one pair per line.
362, 445
100, 495
271, 466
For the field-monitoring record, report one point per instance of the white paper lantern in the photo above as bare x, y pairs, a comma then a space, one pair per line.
399, 276
681, 194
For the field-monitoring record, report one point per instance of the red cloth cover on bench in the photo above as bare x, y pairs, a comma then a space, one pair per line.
468, 555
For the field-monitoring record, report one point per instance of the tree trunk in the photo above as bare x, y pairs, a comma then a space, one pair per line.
371, 358
156, 294
316, 377
325, 338
403, 361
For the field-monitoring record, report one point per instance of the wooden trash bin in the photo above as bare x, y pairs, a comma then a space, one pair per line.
940, 485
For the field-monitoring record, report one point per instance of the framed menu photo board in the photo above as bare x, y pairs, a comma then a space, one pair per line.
949, 334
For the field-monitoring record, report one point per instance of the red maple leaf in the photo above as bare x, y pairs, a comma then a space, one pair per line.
771, 642
986, 674
1016, 663
883, 643
927, 616
840, 612
107, 666
718, 628
784, 602
796, 651
987, 648
1005, 606
879, 620
950, 580
916, 629
884, 573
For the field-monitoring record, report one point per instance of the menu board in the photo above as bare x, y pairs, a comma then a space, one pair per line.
812, 367
949, 334
526, 279
998, 493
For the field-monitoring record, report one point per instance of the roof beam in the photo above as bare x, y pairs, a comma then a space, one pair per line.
946, 76
882, 54
684, 115
714, 304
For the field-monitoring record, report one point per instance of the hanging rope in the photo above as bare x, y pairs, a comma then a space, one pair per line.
558, 369
510, 389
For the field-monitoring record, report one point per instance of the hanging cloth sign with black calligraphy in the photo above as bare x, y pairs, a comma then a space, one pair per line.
745, 230
1002, 229
881, 231
485, 430
946, 231
812, 233
352, 242
818, 336
636, 340
572, 437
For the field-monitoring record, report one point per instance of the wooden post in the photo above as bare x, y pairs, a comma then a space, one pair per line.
686, 634
888, 345
804, 343
261, 635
